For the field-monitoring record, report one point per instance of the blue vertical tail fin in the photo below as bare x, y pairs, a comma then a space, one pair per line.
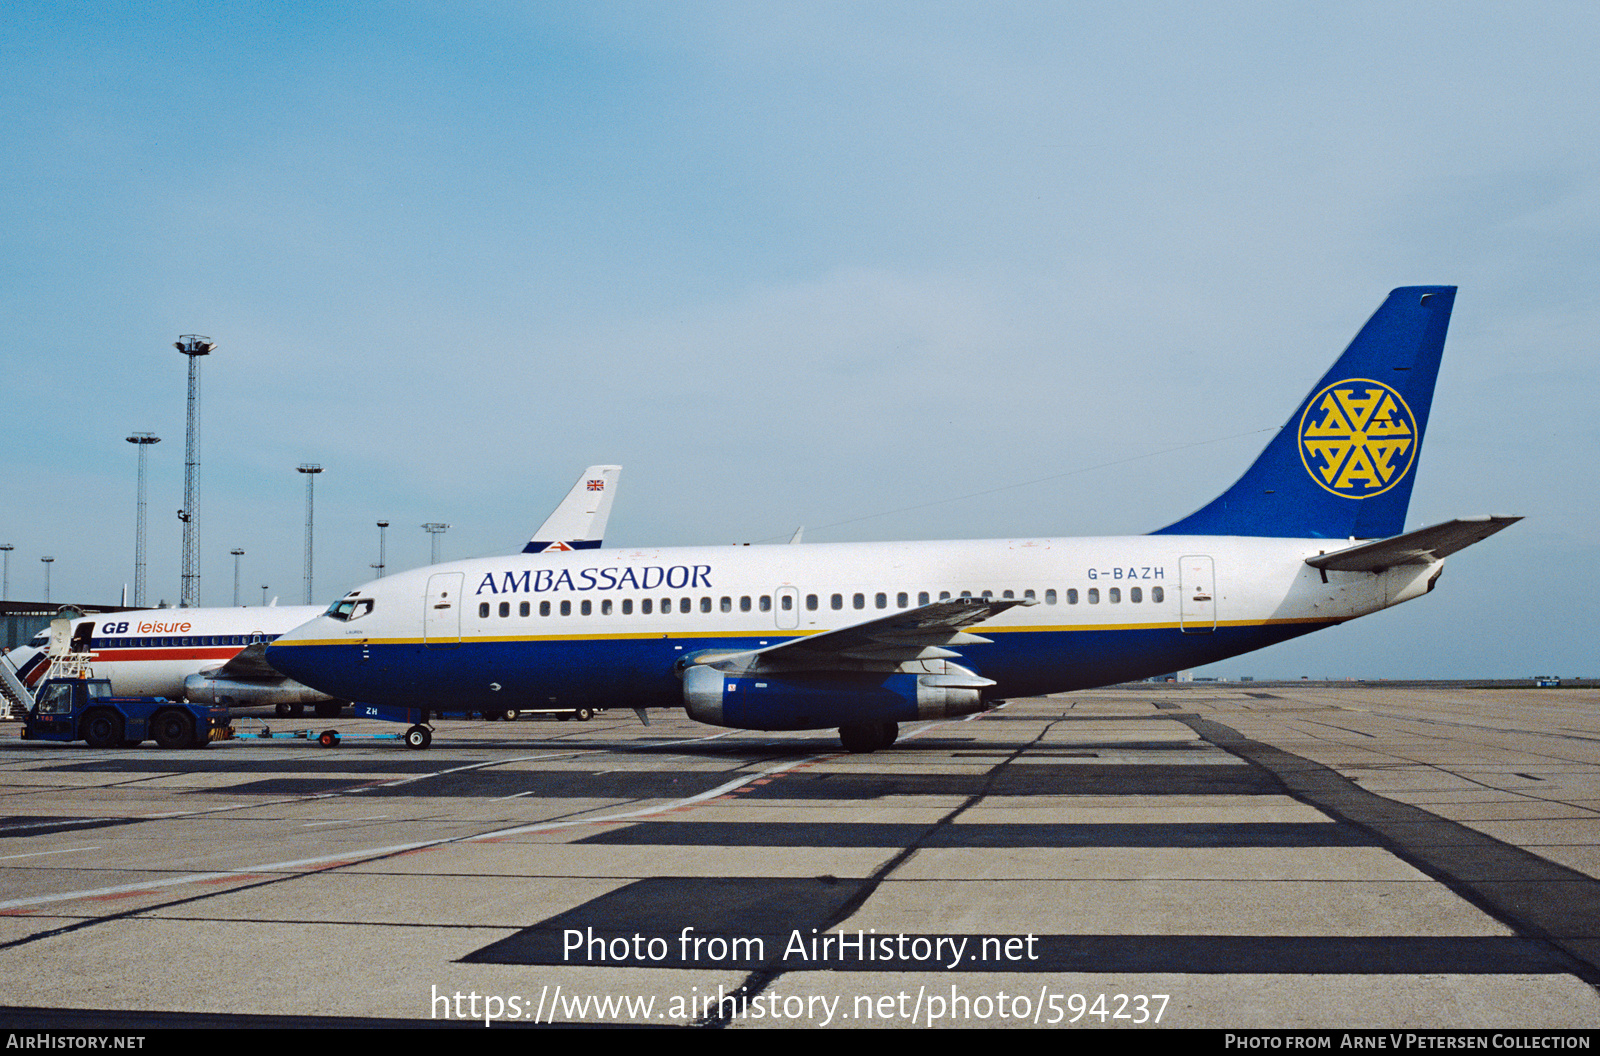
1343, 465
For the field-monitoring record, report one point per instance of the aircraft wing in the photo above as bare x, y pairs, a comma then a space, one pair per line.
1413, 548
923, 633
249, 664
579, 523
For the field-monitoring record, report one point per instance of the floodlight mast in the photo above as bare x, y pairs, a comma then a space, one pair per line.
194, 346
435, 529
310, 469
383, 526
143, 442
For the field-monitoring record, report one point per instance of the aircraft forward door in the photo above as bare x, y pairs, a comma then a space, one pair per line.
1197, 595
441, 610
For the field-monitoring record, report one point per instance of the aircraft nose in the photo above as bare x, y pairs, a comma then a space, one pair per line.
286, 655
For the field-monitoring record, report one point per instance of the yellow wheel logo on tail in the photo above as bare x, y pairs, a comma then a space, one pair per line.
1357, 438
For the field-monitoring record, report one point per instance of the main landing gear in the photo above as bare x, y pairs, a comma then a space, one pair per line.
868, 736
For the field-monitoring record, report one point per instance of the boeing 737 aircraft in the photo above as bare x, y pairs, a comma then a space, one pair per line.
864, 636
214, 656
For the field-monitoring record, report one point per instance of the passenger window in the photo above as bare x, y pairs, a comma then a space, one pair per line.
505, 609
858, 601
1157, 594
922, 597
811, 602
544, 608
685, 604
1094, 595
566, 608
902, 599
766, 602
1114, 595
837, 601
944, 595
605, 607
705, 604
1004, 594
645, 606
627, 606
744, 603
1072, 595
880, 600
585, 607
1135, 595
483, 608
1050, 596
727, 604
522, 610
1028, 595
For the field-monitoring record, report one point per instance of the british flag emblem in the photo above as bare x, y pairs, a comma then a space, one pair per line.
597, 485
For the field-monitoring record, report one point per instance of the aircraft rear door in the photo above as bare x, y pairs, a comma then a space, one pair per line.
441, 610
1197, 594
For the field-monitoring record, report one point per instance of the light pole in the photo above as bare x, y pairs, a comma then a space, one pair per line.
310, 469
194, 346
383, 526
263, 595
143, 442
48, 561
435, 529
5, 578
237, 553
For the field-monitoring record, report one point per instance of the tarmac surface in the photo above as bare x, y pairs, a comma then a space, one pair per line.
1314, 855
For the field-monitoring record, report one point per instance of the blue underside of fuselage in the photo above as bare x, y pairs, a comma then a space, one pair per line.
639, 672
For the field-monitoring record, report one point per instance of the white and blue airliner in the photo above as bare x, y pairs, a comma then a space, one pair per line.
864, 636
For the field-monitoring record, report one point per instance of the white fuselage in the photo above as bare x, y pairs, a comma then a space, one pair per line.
607, 627
150, 652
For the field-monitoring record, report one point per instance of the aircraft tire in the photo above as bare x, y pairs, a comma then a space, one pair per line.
329, 739
172, 729
889, 732
510, 714
418, 737
282, 709
297, 710
102, 729
860, 737
583, 714
328, 709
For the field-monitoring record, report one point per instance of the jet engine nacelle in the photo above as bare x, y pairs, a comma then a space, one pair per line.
796, 700
203, 689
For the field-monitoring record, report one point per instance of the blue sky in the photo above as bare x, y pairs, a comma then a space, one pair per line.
810, 263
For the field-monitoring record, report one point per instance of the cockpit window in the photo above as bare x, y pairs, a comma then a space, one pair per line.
347, 609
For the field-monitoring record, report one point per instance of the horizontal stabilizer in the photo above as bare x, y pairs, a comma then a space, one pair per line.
1413, 548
